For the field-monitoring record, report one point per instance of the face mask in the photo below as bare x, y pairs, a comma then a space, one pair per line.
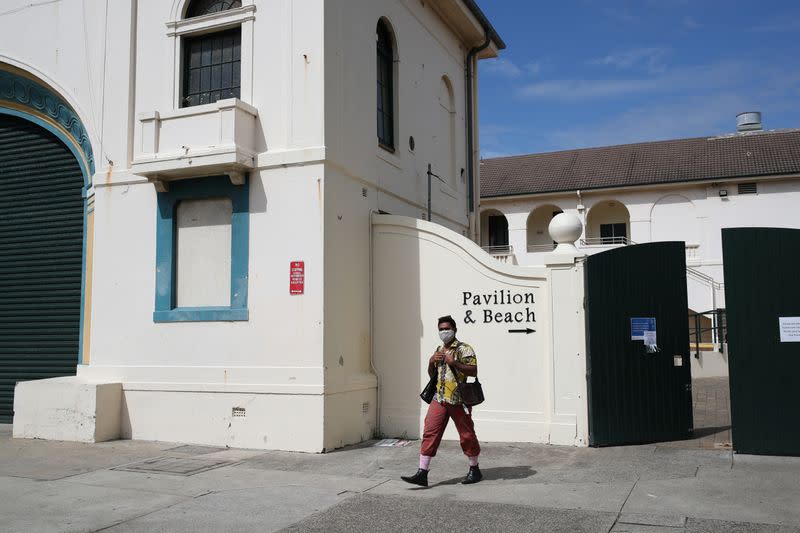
447, 335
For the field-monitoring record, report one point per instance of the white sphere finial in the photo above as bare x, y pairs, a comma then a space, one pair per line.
565, 229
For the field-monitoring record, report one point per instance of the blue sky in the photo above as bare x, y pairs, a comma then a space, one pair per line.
581, 73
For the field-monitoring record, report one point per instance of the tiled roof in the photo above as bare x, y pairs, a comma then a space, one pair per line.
706, 158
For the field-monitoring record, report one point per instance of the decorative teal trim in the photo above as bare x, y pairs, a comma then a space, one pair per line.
83, 277
201, 314
210, 187
25, 92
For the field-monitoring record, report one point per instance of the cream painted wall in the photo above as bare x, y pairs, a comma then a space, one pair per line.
694, 213
362, 178
307, 136
691, 212
534, 383
426, 51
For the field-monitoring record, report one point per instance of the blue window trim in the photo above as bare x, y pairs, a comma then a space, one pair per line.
194, 189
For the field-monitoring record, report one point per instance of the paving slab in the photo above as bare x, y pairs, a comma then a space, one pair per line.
698, 525
221, 480
44, 506
51, 460
267, 509
721, 496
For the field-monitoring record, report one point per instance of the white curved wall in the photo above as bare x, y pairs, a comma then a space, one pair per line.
534, 383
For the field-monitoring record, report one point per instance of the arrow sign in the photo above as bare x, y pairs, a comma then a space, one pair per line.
526, 331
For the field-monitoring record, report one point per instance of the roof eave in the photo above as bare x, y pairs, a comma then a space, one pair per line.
702, 181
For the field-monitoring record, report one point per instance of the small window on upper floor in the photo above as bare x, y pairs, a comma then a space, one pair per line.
386, 86
206, 7
211, 61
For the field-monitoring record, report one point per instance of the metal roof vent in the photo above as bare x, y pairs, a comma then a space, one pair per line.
748, 121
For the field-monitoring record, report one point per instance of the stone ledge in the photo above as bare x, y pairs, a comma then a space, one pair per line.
68, 409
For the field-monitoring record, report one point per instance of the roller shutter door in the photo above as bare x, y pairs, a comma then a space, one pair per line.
41, 240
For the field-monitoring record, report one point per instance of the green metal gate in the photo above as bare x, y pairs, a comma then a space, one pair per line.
41, 257
636, 396
762, 287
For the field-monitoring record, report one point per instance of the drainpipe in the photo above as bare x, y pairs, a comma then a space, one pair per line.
470, 79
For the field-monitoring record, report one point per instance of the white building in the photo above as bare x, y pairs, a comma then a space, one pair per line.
194, 183
678, 190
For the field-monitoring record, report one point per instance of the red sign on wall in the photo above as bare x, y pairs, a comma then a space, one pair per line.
297, 277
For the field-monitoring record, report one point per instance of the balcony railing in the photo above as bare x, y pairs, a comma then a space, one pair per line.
503, 250
538, 248
606, 241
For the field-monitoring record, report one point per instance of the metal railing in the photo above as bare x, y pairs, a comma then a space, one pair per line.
501, 250
606, 241
534, 248
718, 329
705, 278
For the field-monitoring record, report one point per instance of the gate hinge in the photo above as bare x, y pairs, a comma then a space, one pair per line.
689, 387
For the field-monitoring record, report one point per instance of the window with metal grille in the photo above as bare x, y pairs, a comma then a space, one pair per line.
205, 7
385, 86
748, 188
212, 67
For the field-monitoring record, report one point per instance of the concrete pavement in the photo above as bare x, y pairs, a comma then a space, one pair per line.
139, 486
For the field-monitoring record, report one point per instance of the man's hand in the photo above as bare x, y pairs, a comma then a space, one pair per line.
449, 358
436, 358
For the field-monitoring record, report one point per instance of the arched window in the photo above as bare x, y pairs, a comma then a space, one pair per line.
205, 7
385, 49
211, 61
447, 132
608, 222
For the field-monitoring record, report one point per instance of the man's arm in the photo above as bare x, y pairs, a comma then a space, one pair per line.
436, 358
467, 370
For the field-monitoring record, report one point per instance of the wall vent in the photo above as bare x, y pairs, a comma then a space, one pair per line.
364, 192
238, 412
748, 188
365, 408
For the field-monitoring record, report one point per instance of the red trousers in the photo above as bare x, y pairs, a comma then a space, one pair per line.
436, 422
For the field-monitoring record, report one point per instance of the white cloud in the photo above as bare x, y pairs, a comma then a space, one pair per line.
695, 78
650, 58
690, 23
534, 68
502, 67
692, 118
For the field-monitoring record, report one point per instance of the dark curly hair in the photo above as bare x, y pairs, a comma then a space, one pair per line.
448, 319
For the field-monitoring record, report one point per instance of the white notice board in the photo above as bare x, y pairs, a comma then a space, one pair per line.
790, 328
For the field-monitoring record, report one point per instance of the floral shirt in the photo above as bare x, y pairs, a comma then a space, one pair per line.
447, 383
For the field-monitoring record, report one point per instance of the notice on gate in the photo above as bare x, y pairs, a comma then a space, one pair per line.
297, 277
790, 328
641, 325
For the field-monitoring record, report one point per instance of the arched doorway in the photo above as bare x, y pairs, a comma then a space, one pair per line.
608, 222
538, 234
494, 231
43, 179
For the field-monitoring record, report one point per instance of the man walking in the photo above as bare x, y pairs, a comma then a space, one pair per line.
452, 362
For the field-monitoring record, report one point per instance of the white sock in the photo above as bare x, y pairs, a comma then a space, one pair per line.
425, 462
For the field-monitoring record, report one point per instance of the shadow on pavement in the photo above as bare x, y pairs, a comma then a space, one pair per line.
704, 432
498, 472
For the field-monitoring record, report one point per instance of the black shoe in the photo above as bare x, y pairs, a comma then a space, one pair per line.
473, 476
420, 478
